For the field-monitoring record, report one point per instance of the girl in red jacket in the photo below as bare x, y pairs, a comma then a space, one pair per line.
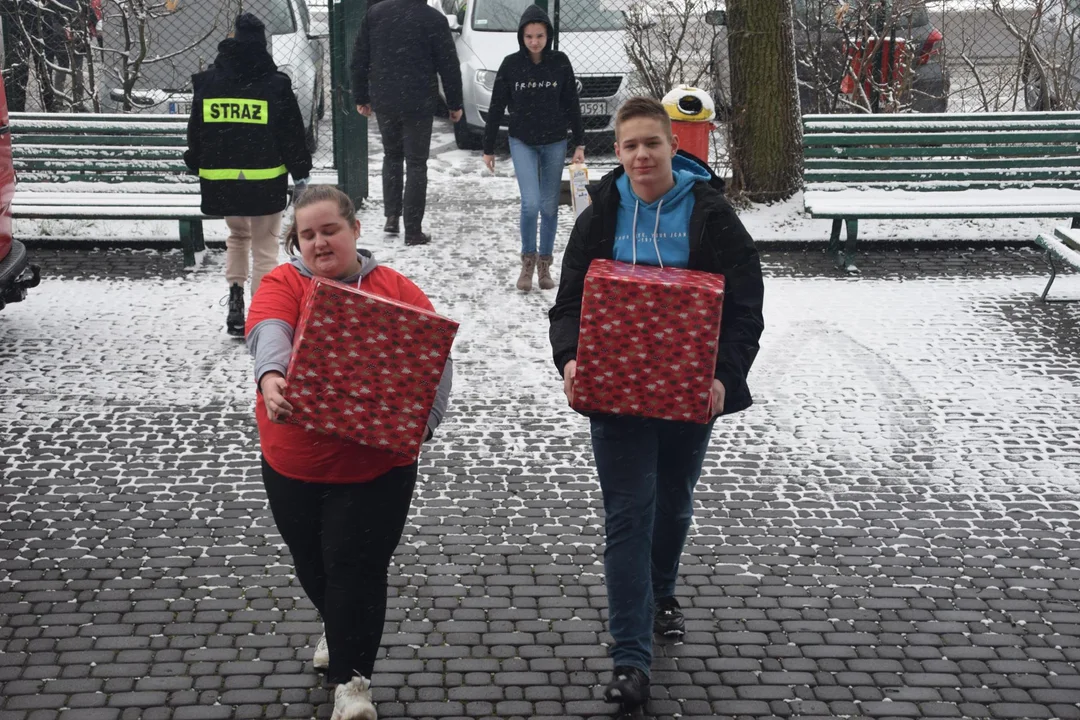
340, 507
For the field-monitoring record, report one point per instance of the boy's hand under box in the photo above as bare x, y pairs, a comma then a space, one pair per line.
366, 368
648, 341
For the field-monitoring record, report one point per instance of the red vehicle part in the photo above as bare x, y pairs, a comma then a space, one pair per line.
890, 61
13, 262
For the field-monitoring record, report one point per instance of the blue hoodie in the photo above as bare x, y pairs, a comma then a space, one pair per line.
662, 225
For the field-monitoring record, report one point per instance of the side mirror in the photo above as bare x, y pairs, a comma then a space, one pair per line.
455, 24
716, 17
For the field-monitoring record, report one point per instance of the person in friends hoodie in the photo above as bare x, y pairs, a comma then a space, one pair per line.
537, 84
661, 207
244, 135
339, 506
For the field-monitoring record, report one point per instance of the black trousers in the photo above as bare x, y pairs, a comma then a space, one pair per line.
342, 537
406, 145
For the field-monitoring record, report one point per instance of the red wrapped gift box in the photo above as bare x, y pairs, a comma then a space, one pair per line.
648, 341
366, 368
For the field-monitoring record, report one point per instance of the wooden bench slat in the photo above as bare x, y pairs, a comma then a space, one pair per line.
969, 123
1003, 151
43, 212
106, 199
117, 152
118, 117
902, 203
1001, 177
918, 118
58, 177
103, 127
174, 165
943, 138
128, 141
830, 163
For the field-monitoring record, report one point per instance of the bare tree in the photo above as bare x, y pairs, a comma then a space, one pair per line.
669, 44
139, 22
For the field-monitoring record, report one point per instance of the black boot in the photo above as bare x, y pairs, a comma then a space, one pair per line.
629, 687
417, 238
234, 322
669, 620
392, 226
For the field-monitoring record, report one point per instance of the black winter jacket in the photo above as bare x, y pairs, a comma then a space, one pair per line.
542, 97
401, 47
244, 116
718, 244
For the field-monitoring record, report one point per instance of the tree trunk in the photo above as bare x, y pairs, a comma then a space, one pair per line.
766, 131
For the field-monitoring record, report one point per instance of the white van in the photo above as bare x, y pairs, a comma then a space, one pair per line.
590, 33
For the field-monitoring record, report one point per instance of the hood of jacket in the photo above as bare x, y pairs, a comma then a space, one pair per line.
367, 264
244, 61
534, 14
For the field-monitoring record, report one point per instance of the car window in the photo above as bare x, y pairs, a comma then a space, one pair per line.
305, 18
275, 14
574, 15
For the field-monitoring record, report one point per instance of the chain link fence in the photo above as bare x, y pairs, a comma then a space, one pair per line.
102, 56
959, 56
138, 56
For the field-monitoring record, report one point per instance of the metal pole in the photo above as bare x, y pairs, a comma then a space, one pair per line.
350, 127
555, 25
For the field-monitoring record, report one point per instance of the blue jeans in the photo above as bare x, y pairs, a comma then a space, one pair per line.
648, 470
539, 175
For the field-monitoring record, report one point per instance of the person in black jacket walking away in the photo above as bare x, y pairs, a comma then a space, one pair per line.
538, 85
245, 133
402, 49
662, 207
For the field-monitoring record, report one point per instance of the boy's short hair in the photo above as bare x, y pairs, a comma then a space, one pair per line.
641, 106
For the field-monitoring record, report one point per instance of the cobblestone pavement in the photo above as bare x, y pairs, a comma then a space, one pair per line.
892, 531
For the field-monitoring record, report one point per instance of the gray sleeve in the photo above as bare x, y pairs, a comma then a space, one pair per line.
270, 344
442, 396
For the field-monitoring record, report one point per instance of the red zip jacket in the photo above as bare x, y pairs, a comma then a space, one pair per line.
305, 454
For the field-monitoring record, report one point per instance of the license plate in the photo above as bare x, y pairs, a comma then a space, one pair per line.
179, 108
594, 108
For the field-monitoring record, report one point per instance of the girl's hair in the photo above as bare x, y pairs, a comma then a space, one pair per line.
317, 194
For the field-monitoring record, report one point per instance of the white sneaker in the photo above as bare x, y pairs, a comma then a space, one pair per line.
321, 661
352, 700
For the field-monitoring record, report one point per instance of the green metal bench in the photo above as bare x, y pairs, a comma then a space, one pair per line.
123, 167
926, 166
1063, 246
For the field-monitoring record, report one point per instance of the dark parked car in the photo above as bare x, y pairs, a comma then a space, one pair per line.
829, 40
14, 266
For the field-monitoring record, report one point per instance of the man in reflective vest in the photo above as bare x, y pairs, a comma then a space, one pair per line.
244, 135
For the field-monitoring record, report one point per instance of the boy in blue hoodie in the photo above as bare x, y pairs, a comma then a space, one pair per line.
662, 207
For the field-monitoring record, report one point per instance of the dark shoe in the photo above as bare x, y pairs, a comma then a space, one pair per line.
234, 321
629, 687
669, 620
419, 238
391, 227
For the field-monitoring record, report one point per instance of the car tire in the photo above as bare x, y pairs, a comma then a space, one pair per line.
467, 138
1036, 96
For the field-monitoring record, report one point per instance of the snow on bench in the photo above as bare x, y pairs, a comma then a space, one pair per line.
841, 201
1063, 246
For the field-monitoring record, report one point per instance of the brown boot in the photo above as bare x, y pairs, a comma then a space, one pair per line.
543, 272
528, 264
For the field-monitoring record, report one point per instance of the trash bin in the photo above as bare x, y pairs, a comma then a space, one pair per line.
691, 111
